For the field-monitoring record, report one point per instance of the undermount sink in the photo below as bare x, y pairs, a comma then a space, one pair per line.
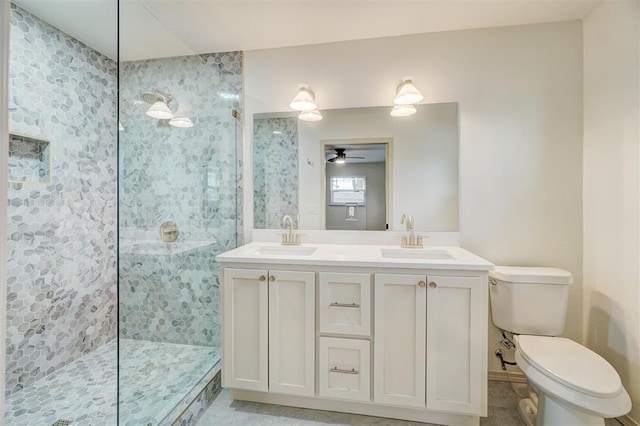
285, 251
415, 254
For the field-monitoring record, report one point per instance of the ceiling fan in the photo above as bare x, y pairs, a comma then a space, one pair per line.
341, 156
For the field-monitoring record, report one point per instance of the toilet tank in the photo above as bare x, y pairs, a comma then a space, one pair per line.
527, 300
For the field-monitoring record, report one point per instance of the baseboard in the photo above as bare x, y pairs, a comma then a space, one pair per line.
507, 376
627, 421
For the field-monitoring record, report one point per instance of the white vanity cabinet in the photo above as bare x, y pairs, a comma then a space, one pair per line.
401, 339
269, 330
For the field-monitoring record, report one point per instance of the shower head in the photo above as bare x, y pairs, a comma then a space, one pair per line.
155, 96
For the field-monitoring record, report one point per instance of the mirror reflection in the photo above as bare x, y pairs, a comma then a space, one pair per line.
416, 159
356, 186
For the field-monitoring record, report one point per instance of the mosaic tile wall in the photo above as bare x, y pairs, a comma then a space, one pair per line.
275, 171
173, 297
61, 281
185, 175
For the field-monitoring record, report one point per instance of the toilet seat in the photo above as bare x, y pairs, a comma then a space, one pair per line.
548, 367
571, 364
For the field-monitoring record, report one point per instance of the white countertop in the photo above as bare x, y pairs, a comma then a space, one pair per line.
362, 255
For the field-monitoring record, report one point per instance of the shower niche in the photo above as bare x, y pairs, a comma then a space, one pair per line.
29, 159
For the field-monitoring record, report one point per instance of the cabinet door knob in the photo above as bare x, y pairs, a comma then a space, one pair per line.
422, 284
262, 278
433, 284
272, 278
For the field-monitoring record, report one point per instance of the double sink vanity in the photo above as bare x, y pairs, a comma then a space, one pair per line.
361, 328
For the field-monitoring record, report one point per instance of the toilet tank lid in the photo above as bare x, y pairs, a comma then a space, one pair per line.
527, 274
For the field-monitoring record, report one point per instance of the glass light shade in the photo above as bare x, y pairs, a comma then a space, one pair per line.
407, 93
159, 110
305, 100
339, 160
310, 115
402, 110
183, 122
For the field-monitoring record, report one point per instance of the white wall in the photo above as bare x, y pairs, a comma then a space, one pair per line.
519, 91
612, 188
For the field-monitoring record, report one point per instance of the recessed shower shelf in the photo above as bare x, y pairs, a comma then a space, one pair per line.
29, 159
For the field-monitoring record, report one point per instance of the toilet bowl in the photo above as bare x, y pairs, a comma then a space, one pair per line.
574, 385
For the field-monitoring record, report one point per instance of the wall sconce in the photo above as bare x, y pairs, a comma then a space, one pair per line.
407, 94
305, 100
160, 110
402, 110
310, 115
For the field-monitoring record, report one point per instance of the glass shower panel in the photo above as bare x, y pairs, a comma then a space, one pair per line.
178, 208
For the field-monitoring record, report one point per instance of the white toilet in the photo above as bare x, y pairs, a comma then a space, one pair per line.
574, 385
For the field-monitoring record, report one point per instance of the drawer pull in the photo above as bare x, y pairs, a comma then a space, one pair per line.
345, 305
340, 370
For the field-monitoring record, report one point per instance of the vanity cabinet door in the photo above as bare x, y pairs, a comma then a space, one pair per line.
292, 332
455, 333
245, 333
399, 339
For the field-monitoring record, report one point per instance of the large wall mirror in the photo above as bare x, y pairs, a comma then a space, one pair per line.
392, 165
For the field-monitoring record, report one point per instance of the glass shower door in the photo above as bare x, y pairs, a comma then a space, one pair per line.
178, 209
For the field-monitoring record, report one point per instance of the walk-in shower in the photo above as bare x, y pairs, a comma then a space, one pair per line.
115, 219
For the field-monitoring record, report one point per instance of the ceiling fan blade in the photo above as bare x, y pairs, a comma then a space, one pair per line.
362, 158
331, 160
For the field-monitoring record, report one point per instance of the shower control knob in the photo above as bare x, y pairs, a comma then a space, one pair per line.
262, 278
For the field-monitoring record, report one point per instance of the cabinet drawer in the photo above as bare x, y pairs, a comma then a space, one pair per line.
345, 303
344, 369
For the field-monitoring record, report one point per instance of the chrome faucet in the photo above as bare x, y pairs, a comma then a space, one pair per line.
290, 238
410, 240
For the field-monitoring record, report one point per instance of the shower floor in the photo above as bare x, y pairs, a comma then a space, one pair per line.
154, 378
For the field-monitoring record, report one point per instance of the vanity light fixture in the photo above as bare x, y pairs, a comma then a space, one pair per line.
402, 110
183, 122
407, 93
160, 109
310, 115
305, 100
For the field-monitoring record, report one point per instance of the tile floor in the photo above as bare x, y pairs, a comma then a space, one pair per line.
503, 411
154, 379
